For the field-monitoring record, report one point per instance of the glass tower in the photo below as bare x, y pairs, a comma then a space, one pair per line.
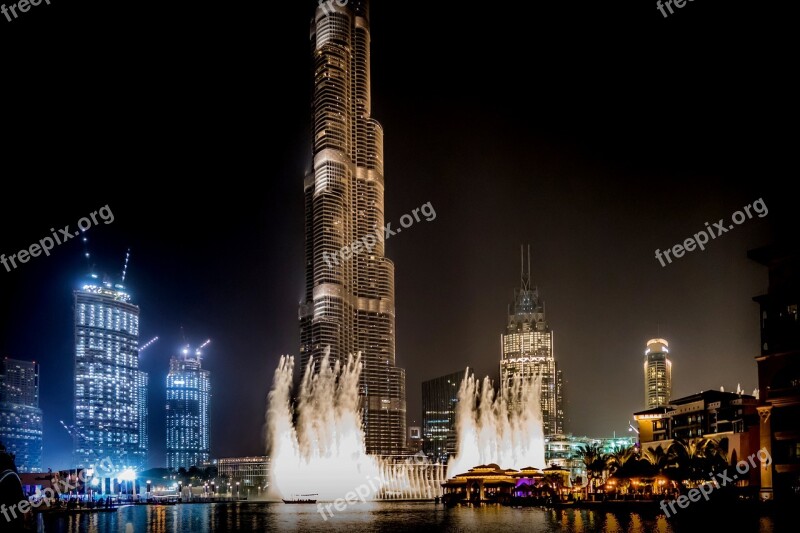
188, 397
20, 416
657, 374
439, 401
527, 350
110, 390
348, 304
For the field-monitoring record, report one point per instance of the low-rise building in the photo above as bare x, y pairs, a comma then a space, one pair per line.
565, 451
251, 474
710, 414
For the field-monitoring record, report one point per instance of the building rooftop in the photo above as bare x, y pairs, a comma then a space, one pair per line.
709, 396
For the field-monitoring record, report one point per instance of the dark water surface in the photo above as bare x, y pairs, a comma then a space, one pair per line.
375, 517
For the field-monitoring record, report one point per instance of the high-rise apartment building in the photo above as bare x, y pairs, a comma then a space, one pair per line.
439, 401
20, 416
188, 399
110, 390
348, 305
657, 374
527, 350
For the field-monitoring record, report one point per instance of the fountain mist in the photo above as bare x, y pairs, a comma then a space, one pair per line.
324, 453
503, 428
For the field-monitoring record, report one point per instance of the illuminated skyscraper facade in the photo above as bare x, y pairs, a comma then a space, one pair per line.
110, 390
20, 416
657, 374
527, 351
188, 399
348, 303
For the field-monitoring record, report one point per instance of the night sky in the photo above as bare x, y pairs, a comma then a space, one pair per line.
596, 134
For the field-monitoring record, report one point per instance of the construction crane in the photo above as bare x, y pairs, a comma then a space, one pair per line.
147, 344
198, 352
72, 430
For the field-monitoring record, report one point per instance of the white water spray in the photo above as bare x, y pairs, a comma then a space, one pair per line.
324, 453
504, 428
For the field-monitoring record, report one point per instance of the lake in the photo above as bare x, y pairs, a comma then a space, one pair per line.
378, 516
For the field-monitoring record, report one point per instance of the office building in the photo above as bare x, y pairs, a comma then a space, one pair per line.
439, 401
348, 305
20, 415
657, 374
527, 350
110, 390
188, 399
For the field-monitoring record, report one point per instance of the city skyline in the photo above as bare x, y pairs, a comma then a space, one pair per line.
229, 264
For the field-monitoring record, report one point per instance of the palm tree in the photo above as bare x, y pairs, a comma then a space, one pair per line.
617, 458
692, 460
594, 461
659, 458
588, 454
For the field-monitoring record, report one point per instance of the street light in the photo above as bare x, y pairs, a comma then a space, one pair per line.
237, 490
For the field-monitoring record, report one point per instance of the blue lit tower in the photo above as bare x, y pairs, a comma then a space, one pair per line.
110, 390
20, 416
188, 397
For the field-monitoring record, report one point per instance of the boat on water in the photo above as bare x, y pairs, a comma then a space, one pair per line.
302, 498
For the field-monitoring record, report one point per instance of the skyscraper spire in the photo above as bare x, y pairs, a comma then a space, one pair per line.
526, 268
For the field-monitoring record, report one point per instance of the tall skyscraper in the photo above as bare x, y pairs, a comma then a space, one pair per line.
439, 400
188, 398
110, 390
20, 416
657, 374
527, 349
348, 303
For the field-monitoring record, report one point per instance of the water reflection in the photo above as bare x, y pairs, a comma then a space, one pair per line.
385, 516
